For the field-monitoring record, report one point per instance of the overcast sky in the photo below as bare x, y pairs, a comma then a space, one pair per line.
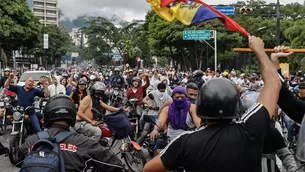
126, 9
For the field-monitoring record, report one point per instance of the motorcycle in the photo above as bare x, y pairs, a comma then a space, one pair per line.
7, 114
130, 151
116, 97
21, 129
154, 147
134, 118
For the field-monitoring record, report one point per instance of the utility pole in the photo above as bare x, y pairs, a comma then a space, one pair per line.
278, 23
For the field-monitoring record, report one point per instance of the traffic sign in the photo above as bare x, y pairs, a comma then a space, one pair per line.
227, 10
68, 58
197, 34
45, 41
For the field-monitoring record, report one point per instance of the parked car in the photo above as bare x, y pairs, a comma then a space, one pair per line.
36, 75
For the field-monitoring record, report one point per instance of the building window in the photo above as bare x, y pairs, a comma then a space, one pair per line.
38, 11
51, 19
51, 12
51, 5
38, 3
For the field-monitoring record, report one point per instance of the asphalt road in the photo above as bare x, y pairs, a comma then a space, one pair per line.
6, 166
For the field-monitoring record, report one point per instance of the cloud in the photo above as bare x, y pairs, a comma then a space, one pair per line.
126, 9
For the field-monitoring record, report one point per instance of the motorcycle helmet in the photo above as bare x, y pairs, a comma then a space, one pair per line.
116, 69
198, 73
7, 70
60, 108
65, 75
82, 81
98, 90
218, 99
137, 79
92, 77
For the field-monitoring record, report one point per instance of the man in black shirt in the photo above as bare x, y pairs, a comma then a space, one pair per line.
225, 145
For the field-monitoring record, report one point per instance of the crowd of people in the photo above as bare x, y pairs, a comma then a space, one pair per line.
208, 102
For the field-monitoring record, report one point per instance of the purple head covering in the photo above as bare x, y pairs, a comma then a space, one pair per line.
178, 110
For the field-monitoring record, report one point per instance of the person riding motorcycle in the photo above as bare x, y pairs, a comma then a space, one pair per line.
80, 91
155, 99
7, 72
26, 96
117, 80
225, 145
197, 78
137, 92
192, 92
86, 123
78, 151
178, 117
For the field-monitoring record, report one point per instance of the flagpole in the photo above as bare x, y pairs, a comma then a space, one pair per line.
215, 49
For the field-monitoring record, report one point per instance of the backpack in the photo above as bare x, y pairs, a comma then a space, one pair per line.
45, 155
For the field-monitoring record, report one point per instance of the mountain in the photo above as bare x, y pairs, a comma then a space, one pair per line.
80, 21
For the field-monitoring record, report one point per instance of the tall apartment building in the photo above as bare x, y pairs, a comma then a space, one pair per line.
45, 10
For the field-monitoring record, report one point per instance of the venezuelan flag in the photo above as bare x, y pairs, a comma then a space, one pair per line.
191, 12
139, 62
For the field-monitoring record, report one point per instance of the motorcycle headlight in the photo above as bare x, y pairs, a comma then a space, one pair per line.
17, 116
6, 99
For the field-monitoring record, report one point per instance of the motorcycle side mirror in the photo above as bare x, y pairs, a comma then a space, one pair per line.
36, 98
151, 96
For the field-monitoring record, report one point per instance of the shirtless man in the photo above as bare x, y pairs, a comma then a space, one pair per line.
85, 122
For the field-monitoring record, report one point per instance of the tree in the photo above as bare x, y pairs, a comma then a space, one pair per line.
59, 44
18, 27
102, 36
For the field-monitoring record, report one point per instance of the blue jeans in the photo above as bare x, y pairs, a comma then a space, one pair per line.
290, 125
35, 122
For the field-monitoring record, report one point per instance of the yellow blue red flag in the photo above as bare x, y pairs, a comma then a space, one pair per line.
191, 12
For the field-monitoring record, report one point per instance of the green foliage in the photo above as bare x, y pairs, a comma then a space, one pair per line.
18, 27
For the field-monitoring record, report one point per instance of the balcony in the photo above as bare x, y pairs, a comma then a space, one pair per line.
39, 14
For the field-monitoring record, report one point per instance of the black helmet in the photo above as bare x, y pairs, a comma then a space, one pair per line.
218, 99
198, 73
60, 108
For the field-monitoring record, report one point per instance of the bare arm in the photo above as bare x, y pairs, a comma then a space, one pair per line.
162, 119
145, 100
109, 108
155, 165
8, 82
195, 118
82, 108
270, 92
45, 90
